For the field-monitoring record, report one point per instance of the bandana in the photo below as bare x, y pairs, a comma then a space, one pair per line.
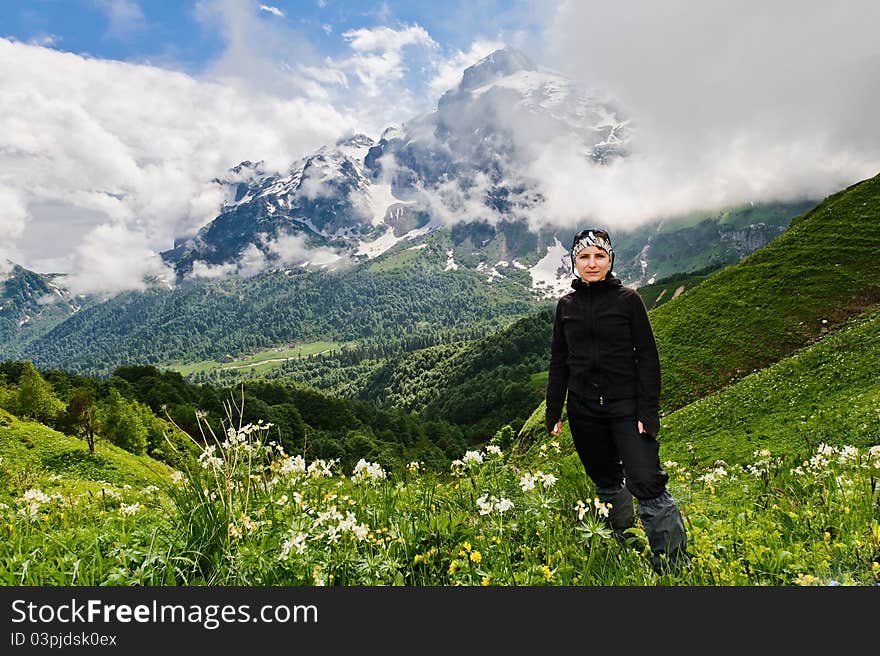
590, 238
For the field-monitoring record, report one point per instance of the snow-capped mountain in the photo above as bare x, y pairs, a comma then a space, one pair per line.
454, 184
462, 163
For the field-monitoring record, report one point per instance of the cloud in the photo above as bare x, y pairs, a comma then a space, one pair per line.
13, 213
114, 258
287, 249
115, 143
125, 17
275, 11
728, 103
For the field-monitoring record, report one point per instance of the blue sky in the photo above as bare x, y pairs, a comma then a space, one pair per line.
181, 34
115, 115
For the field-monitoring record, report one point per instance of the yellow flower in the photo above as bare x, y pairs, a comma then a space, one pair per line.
547, 573
485, 580
466, 545
453, 567
806, 579
826, 535
476, 557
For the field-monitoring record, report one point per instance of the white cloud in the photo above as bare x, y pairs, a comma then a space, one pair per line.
132, 144
285, 250
275, 11
729, 103
114, 258
125, 16
13, 213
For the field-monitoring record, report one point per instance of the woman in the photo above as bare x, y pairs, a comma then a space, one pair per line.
604, 355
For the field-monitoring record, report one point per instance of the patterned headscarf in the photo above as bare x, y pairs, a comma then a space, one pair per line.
591, 237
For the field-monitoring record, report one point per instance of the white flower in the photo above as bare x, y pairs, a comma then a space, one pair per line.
295, 464
487, 504
494, 449
371, 471
296, 542
527, 482
130, 510
472, 458
35, 495
548, 480
177, 477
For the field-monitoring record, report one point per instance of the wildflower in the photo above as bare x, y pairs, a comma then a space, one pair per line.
131, 509
295, 542
484, 581
207, 459
151, 489
806, 579
476, 557
291, 465
527, 482
548, 575
488, 504
581, 509
494, 449
177, 477
548, 480
369, 471
36, 495
472, 458
413, 467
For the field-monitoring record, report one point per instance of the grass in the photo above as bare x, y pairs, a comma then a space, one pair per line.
818, 274
260, 362
246, 513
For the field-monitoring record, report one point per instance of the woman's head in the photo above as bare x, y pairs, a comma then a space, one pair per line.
592, 256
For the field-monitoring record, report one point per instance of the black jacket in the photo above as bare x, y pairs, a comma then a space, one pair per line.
603, 349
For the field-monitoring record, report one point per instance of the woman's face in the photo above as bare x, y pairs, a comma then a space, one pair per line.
592, 264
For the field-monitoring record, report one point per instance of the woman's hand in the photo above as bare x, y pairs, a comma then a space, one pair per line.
557, 429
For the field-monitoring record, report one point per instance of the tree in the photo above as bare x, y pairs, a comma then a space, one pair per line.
36, 399
80, 418
124, 425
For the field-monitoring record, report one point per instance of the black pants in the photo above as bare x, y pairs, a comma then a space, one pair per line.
611, 448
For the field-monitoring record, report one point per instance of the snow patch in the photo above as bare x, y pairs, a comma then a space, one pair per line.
546, 276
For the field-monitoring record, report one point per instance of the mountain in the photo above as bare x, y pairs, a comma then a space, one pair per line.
458, 173
443, 195
212, 318
31, 304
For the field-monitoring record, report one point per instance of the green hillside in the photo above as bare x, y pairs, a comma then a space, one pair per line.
210, 319
809, 281
825, 393
819, 273
31, 453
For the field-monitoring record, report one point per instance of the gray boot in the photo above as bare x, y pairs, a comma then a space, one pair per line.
664, 529
622, 514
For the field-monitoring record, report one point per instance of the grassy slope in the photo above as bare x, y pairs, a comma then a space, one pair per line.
828, 392
822, 271
808, 282
36, 456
